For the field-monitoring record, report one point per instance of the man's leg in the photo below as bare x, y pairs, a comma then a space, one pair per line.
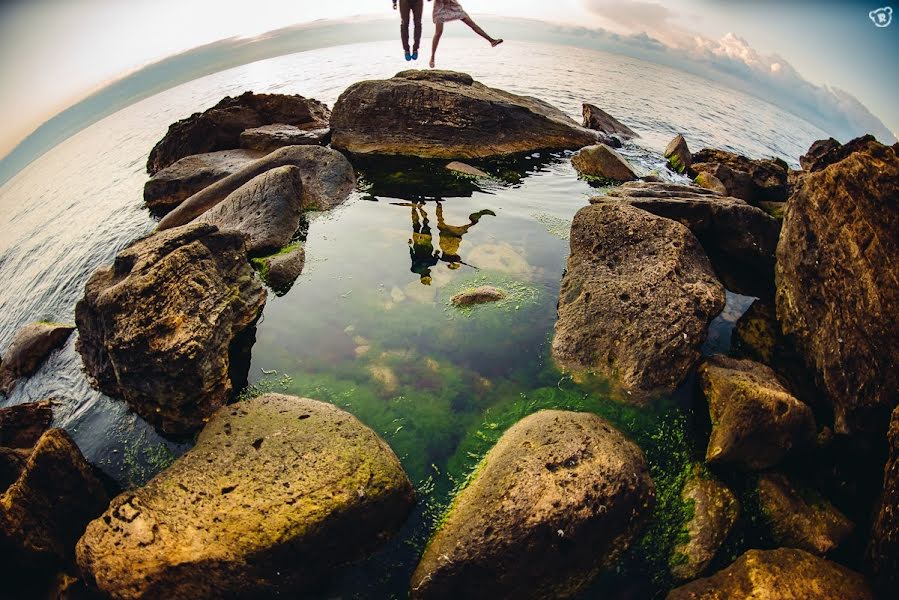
417, 9
405, 9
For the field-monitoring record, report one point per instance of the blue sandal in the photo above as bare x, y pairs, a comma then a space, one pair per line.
408, 57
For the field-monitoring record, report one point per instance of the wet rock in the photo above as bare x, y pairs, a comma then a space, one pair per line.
558, 498
479, 295
678, 155
837, 290
800, 517
280, 270
601, 161
710, 182
158, 326
271, 137
715, 510
23, 424
219, 127
751, 180
818, 150
12, 463
45, 511
328, 179
783, 573
266, 209
599, 120
464, 169
883, 549
443, 114
29, 348
270, 480
755, 420
824, 153
636, 300
170, 186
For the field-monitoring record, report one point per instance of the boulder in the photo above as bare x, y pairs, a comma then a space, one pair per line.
800, 517
818, 150
271, 137
636, 299
710, 182
479, 295
755, 420
219, 127
281, 270
23, 424
558, 498
443, 114
157, 328
883, 549
266, 209
170, 186
328, 179
827, 152
467, 170
751, 180
837, 290
45, 511
601, 161
678, 155
277, 493
599, 120
715, 510
29, 348
785, 573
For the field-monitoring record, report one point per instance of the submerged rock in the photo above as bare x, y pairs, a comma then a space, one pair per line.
751, 180
271, 137
219, 127
266, 209
157, 327
678, 154
883, 549
464, 169
775, 574
837, 290
479, 295
23, 424
29, 348
170, 186
443, 114
281, 270
636, 299
800, 517
278, 492
601, 161
755, 420
328, 179
558, 498
599, 120
715, 510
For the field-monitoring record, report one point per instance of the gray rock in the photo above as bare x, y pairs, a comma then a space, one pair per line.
29, 348
281, 270
271, 137
602, 161
599, 120
755, 181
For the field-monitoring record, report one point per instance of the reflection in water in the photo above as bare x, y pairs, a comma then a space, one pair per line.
421, 245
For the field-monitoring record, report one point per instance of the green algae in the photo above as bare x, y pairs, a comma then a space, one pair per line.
555, 226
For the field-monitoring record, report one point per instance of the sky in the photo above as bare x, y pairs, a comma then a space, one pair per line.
806, 55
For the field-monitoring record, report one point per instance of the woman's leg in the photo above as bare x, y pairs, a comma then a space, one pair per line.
480, 32
437, 33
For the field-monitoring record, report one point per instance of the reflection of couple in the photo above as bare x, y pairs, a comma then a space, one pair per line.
444, 11
421, 246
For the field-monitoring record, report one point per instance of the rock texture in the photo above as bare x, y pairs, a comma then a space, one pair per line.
442, 114
800, 517
837, 289
636, 299
170, 186
327, 176
277, 493
28, 349
755, 420
818, 150
556, 500
710, 182
281, 270
479, 295
715, 510
883, 550
271, 137
751, 180
219, 128
23, 424
678, 154
827, 152
266, 209
157, 327
599, 120
601, 161
786, 574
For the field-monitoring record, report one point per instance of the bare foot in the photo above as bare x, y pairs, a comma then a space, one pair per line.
495, 43
432, 62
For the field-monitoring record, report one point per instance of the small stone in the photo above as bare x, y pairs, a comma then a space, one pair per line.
464, 169
678, 154
479, 295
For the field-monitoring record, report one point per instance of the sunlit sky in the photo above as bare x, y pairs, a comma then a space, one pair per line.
55, 52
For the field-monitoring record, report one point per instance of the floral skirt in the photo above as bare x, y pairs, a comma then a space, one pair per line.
448, 10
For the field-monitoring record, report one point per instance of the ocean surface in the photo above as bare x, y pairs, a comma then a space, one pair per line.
366, 326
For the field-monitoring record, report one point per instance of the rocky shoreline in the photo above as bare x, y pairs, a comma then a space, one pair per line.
280, 492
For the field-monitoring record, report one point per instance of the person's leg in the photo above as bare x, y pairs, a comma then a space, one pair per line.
405, 9
481, 32
417, 10
438, 31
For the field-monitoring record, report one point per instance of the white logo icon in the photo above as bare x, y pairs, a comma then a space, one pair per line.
882, 17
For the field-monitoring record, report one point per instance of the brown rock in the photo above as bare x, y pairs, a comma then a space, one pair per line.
599, 120
783, 574
219, 128
29, 348
636, 299
883, 549
818, 150
558, 498
837, 290
751, 180
23, 424
678, 154
157, 328
271, 137
601, 161
12, 463
442, 114
281, 270
710, 182
479, 295
827, 152
464, 169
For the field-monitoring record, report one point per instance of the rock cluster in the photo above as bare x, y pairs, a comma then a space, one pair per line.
751, 180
